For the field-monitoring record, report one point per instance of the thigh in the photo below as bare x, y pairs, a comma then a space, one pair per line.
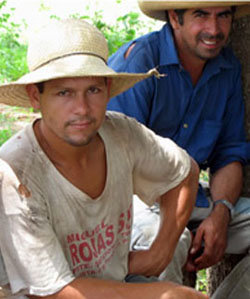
145, 225
200, 214
242, 210
239, 228
237, 283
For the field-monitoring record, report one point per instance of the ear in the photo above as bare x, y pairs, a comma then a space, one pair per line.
34, 95
173, 18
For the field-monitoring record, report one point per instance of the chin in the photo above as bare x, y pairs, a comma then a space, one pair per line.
210, 55
78, 143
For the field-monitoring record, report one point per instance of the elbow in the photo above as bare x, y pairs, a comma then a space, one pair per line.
195, 170
193, 179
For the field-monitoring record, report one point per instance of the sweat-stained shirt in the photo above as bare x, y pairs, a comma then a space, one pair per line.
52, 232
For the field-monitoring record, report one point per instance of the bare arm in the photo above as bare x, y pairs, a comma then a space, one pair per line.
226, 184
90, 288
175, 208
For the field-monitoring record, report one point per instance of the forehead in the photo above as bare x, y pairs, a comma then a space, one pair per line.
75, 81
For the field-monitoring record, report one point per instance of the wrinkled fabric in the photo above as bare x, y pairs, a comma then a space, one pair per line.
237, 284
52, 232
147, 223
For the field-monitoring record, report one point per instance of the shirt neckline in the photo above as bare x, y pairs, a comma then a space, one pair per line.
65, 181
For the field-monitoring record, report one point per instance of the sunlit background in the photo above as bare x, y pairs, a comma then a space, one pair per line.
34, 12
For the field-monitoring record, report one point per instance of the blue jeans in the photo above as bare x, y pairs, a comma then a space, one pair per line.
140, 278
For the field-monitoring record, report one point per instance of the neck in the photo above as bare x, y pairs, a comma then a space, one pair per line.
194, 66
59, 151
84, 166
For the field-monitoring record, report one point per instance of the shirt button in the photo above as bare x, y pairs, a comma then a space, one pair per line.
185, 126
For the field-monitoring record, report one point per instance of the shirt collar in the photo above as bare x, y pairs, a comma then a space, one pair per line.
169, 54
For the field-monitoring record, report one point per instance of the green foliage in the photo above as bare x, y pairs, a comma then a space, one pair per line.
5, 128
12, 52
5, 134
204, 176
124, 29
201, 282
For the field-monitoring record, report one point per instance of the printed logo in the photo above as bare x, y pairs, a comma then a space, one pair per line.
91, 251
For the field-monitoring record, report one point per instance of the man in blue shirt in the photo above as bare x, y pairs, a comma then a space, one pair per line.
197, 103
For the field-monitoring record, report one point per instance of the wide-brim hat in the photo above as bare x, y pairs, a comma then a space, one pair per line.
156, 8
65, 49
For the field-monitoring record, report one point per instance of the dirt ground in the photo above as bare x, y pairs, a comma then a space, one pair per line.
15, 118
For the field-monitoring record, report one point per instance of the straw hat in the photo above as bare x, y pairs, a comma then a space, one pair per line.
62, 49
156, 8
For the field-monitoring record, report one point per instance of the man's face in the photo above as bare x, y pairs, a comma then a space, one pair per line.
204, 31
72, 109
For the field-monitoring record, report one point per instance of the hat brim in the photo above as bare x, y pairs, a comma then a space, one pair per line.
156, 9
14, 94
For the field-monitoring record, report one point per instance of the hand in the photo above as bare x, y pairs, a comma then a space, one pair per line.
147, 263
209, 243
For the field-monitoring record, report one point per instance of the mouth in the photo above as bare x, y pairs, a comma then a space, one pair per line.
211, 44
80, 124
211, 41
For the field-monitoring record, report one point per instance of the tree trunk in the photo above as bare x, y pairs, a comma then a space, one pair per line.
240, 41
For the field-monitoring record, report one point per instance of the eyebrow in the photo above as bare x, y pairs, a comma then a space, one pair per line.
200, 11
70, 88
227, 11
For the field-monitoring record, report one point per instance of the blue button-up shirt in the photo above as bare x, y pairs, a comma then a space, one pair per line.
206, 119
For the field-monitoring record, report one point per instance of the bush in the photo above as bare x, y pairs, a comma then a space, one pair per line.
5, 128
12, 52
124, 29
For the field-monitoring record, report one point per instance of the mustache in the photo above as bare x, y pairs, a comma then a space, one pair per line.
218, 37
79, 119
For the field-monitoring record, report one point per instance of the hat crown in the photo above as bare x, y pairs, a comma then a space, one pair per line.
62, 38
156, 8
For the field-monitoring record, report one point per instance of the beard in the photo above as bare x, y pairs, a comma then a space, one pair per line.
76, 138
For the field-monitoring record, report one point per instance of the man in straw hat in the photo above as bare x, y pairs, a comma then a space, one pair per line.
68, 178
199, 105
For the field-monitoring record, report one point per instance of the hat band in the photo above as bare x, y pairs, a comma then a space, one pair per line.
67, 55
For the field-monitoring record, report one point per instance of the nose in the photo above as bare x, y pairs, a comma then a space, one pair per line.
81, 105
213, 27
